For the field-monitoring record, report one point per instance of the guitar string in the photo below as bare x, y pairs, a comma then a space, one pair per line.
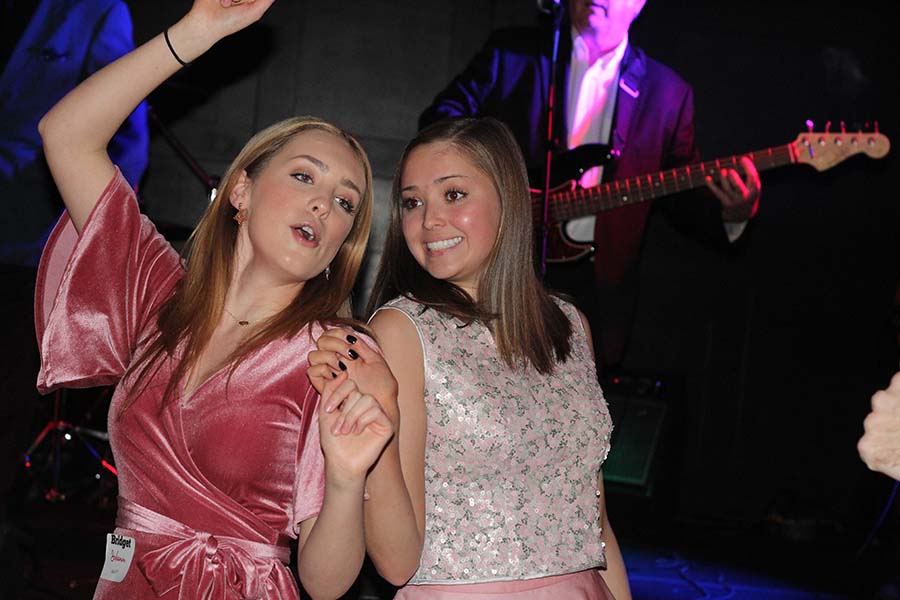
567, 203
640, 186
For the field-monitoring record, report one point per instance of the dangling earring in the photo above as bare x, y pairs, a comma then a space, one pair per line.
327, 272
241, 215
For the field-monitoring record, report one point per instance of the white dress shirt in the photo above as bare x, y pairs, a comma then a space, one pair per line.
590, 106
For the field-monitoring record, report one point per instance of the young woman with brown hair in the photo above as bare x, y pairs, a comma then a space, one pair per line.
503, 427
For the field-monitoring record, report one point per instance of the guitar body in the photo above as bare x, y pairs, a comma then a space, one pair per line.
566, 169
571, 165
563, 249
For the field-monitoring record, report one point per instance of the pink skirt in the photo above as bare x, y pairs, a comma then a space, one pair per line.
583, 585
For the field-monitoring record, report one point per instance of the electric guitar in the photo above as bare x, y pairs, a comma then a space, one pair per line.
569, 201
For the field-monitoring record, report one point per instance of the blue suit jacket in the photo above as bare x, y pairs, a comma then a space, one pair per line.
65, 42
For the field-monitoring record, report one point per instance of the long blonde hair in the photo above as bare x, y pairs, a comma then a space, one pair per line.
526, 322
191, 314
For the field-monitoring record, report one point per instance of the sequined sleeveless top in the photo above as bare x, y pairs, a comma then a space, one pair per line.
511, 457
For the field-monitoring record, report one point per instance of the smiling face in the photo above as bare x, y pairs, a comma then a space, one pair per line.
300, 206
450, 214
607, 21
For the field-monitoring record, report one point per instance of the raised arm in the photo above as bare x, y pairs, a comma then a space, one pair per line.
77, 131
129, 146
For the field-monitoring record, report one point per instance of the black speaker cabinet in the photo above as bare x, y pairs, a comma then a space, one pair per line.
641, 407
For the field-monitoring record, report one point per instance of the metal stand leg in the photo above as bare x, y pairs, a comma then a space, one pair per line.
60, 431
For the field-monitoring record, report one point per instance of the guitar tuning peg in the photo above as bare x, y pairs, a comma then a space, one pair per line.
843, 127
827, 127
809, 125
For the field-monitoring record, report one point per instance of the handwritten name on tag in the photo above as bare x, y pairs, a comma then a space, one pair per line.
119, 552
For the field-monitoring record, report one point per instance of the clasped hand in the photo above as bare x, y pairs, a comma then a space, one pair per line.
352, 427
358, 410
340, 350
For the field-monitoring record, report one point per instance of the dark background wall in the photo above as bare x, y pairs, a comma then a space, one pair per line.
779, 345
783, 343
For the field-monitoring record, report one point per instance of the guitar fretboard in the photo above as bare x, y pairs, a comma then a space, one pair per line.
579, 202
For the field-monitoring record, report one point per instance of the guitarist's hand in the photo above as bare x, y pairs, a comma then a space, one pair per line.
739, 194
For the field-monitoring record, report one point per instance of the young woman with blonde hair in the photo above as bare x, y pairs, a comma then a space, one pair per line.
214, 424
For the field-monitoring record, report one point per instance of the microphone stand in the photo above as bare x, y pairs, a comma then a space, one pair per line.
556, 11
209, 181
177, 234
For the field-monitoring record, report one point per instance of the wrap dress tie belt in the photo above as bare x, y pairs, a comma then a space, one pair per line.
202, 565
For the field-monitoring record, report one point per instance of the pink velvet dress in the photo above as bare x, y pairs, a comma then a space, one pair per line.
211, 487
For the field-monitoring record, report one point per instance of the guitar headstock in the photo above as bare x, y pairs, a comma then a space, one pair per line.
824, 150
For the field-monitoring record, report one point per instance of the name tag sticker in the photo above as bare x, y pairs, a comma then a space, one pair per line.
119, 552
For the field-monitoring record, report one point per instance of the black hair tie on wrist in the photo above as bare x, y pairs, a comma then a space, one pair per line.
172, 50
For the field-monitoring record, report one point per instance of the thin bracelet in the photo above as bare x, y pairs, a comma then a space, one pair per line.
172, 50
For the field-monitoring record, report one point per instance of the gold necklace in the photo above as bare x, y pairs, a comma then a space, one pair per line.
241, 322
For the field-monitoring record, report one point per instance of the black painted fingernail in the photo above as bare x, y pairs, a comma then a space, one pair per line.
351, 339
333, 375
352, 354
342, 366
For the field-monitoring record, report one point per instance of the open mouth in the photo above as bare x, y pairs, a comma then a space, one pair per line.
443, 244
307, 232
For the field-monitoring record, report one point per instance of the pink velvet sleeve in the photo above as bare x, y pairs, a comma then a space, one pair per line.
309, 484
97, 294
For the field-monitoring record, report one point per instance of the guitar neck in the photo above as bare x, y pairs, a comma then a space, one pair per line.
579, 202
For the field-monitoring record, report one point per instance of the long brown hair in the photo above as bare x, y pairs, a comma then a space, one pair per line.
526, 322
190, 316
